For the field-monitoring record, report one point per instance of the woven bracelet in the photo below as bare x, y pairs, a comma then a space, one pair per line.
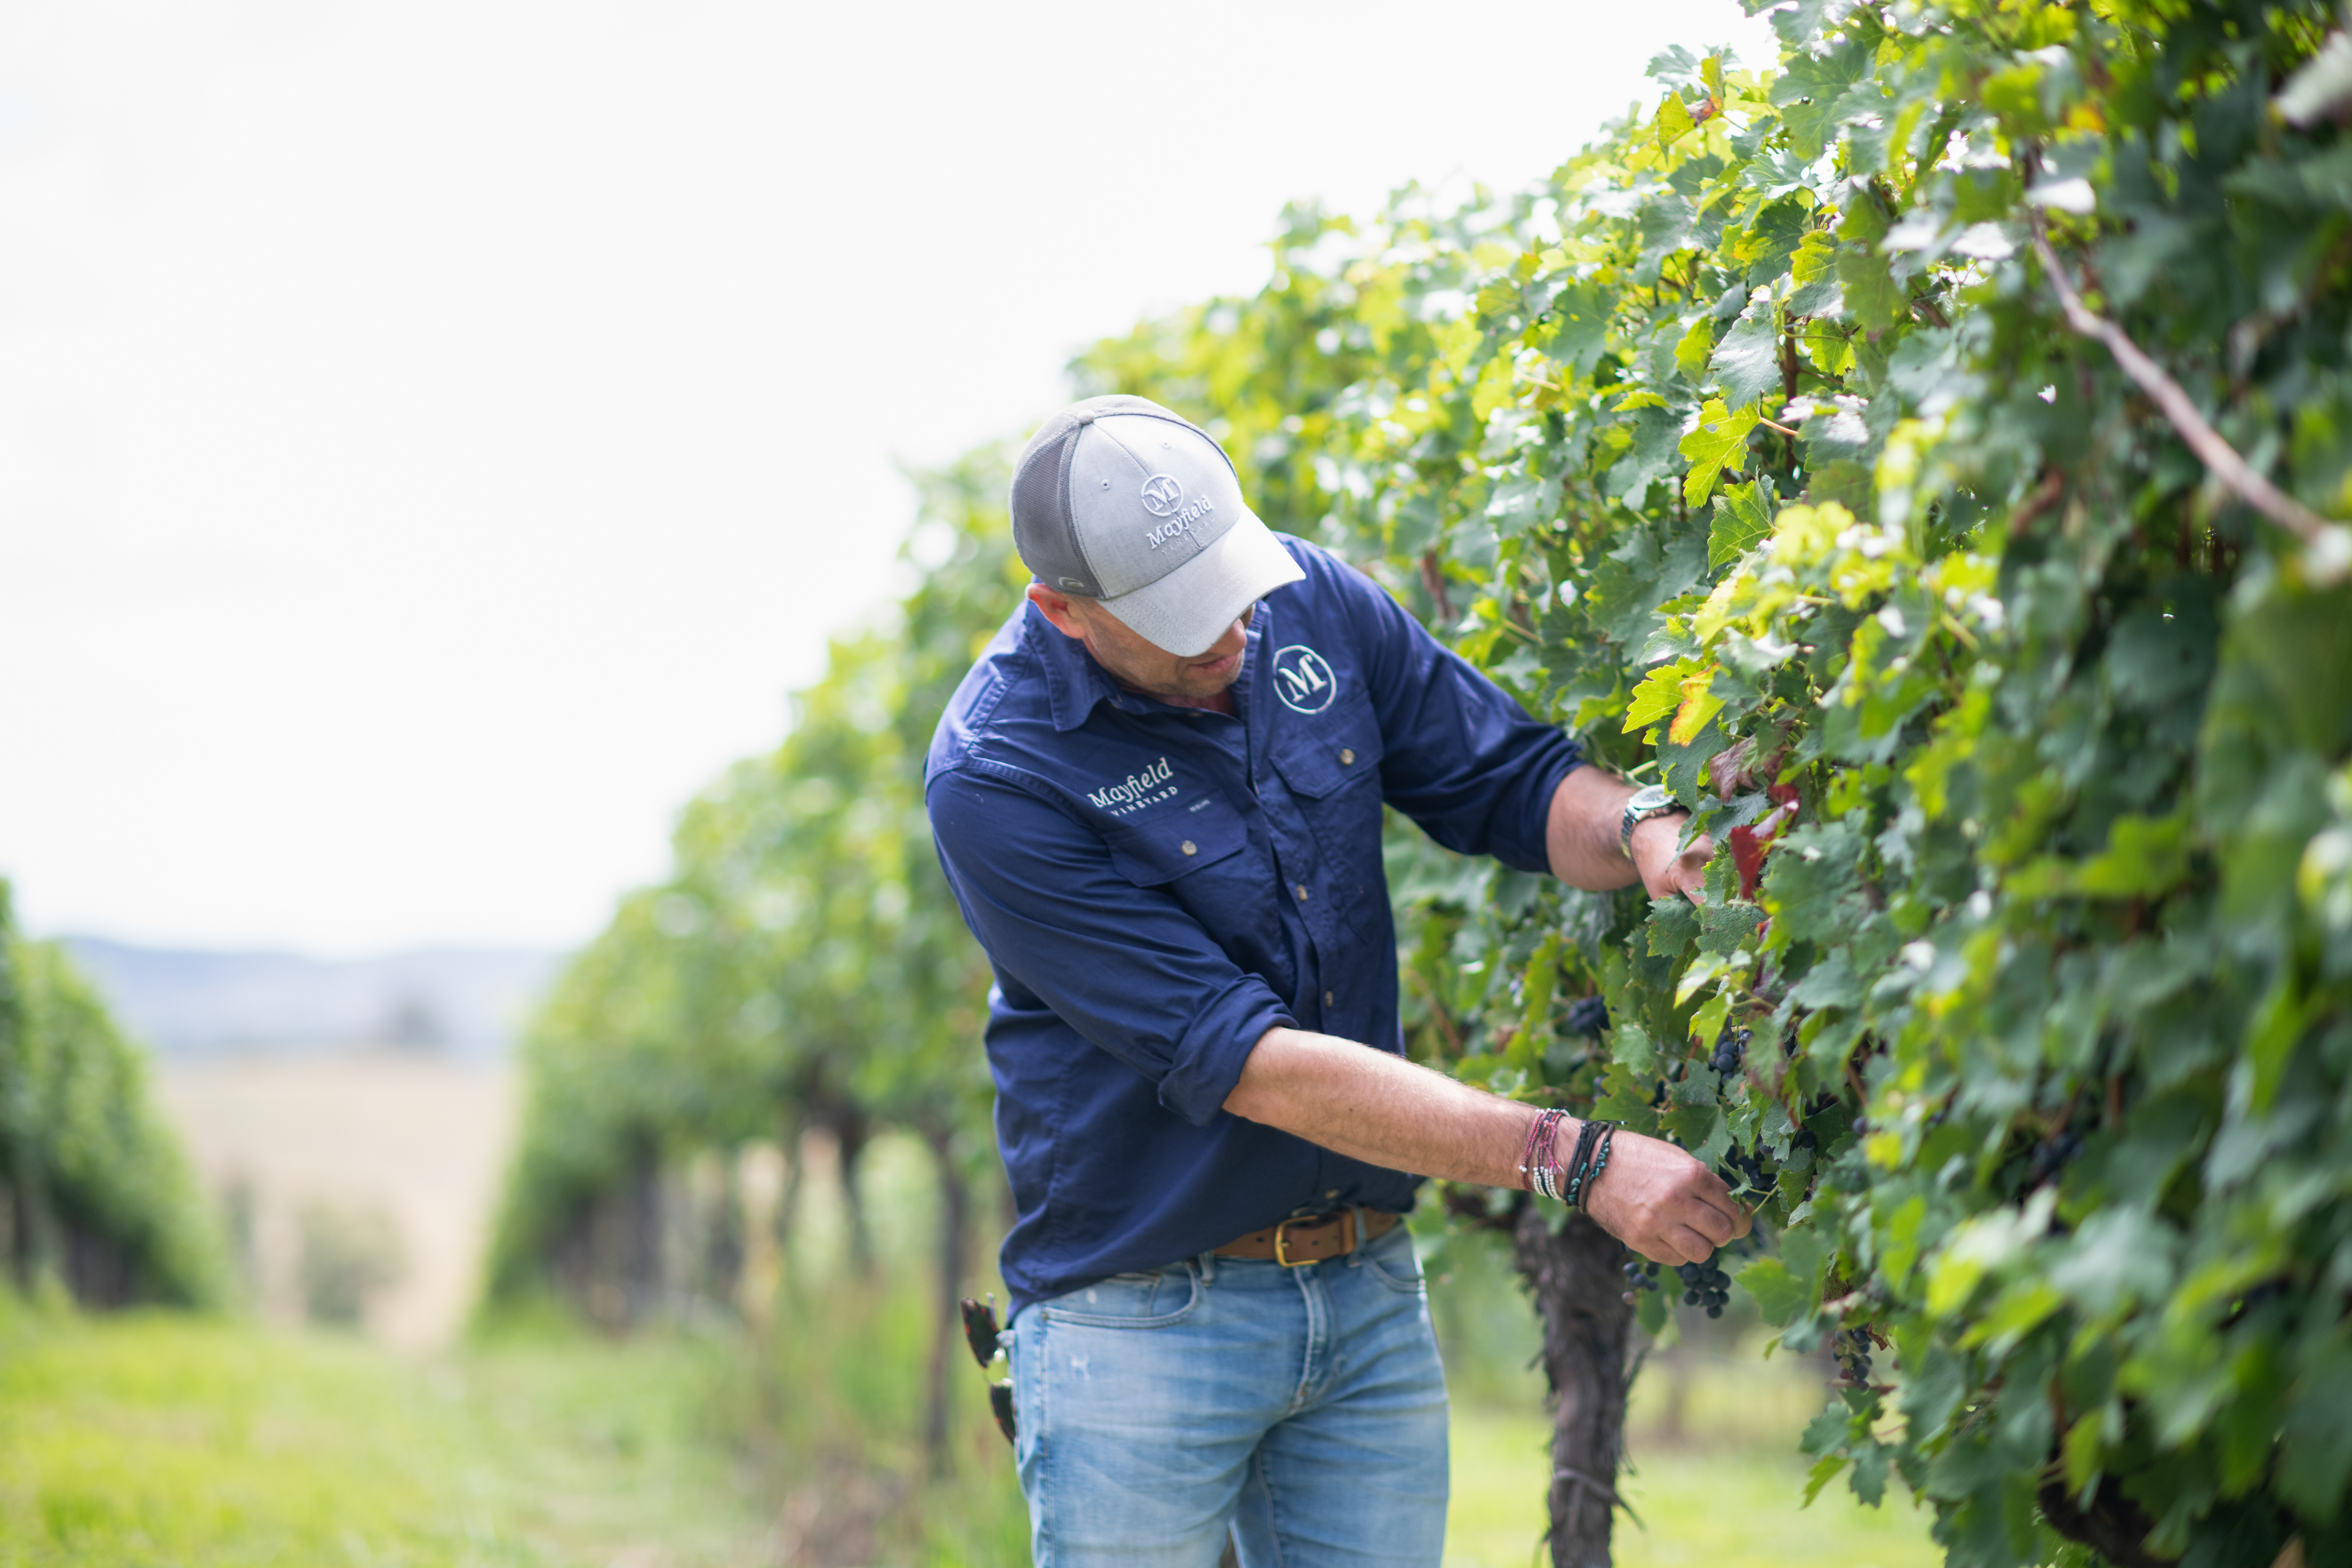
1585, 1137
1599, 1163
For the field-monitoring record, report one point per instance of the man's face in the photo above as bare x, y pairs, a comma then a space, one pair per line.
1142, 666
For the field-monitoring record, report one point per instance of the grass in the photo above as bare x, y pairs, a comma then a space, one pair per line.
1711, 1505
1715, 1475
150, 1439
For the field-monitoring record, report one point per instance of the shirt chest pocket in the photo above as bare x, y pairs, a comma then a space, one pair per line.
1330, 763
1322, 756
1186, 836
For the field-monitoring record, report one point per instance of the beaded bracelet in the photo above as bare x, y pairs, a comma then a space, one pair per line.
1534, 1157
1547, 1170
1555, 1175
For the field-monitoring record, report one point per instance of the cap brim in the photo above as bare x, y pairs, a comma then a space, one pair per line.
1189, 609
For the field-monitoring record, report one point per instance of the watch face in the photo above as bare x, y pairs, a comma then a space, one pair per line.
1650, 798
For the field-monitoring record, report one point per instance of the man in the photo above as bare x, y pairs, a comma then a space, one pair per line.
1158, 797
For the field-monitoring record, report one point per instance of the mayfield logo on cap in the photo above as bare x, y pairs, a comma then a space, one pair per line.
1118, 500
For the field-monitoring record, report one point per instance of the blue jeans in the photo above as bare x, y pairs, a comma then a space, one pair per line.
1302, 1408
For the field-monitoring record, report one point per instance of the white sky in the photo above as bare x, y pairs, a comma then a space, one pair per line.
435, 436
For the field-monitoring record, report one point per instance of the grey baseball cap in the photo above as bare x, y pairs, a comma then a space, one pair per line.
1119, 500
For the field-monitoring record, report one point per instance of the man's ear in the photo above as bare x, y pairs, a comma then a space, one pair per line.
1058, 608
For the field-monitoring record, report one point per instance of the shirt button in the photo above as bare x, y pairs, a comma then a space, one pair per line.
1301, 891
1327, 999
1191, 848
1347, 757
1332, 1194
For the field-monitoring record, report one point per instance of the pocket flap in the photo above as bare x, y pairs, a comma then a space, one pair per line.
1325, 755
1192, 834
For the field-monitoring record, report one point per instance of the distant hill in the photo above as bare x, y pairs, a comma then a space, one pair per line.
465, 1002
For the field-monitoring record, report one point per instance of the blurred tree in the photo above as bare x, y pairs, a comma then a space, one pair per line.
804, 968
98, 1199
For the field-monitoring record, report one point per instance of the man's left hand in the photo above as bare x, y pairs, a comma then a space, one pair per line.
1664, 1205
1665, 871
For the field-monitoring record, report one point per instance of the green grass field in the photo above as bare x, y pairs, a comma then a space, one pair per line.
1714, 1506
155, 1440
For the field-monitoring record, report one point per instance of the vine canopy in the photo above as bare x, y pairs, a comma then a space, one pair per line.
1920, 456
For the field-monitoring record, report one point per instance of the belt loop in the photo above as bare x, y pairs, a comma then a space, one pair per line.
1356, 1236
1206, 1266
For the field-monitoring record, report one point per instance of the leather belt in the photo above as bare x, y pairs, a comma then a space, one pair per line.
1297, 1242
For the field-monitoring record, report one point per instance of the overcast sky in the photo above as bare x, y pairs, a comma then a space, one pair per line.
435, 436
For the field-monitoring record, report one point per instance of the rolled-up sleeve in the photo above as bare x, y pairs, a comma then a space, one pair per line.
1124, 965
1463, 759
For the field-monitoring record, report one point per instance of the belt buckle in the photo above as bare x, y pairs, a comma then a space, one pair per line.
1281, 1240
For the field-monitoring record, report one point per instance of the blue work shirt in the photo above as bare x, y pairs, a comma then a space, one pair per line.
1157, 887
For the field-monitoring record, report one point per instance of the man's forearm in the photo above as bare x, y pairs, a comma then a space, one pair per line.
1580, 834
1381, 1109
1384, 1111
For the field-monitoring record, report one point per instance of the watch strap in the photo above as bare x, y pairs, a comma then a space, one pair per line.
1649, 801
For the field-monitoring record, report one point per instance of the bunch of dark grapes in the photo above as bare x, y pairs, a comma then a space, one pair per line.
1729, 1047
1640, 1275
1853, 1347
2049, 1159
1740, 1166
1705, 1285
1589, 1017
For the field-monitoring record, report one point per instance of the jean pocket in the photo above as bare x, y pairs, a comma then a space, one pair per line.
1152, 1300
1394, 1262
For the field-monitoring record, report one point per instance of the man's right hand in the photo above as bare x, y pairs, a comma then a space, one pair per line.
1663, 1203
1664, 869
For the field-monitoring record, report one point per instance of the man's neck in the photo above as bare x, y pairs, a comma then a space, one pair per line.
1218, 702
1215, 702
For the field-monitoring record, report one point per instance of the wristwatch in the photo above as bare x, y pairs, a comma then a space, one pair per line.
1649, 801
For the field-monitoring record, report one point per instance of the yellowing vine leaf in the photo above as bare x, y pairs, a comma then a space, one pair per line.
1698, 705
1660, 693
1721, 436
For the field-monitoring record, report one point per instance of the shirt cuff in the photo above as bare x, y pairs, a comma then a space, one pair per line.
1209, 1058
1531, 850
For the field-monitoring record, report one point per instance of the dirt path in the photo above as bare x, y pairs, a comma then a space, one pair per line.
420, 1142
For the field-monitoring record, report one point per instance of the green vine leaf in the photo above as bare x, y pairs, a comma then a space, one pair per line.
1720, 438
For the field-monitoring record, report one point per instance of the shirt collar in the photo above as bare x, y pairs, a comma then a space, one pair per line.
1075, 682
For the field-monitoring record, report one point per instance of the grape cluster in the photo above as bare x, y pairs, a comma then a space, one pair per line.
2049, 1159
1706, 1285
1729, 1047
1740, 1167
1853, 1356
1640, 1275
1589, 1017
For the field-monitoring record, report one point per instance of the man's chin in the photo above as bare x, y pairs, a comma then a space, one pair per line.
1208, 680
1203, 690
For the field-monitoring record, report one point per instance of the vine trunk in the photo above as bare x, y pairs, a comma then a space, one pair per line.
1575, 1275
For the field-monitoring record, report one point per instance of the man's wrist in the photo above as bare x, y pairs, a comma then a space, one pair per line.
1644, 805
1567, 1157
1656, 839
